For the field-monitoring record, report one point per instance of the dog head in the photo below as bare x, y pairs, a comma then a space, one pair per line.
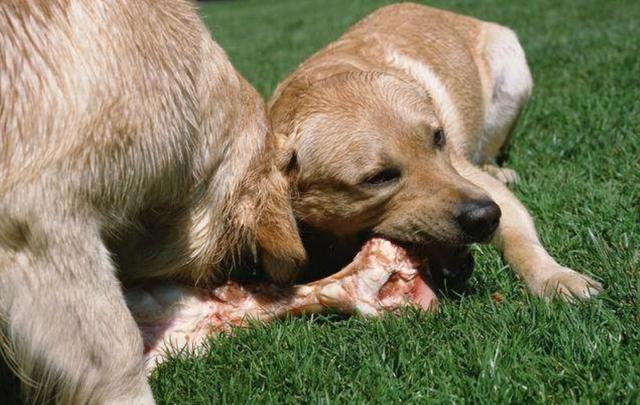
366, 154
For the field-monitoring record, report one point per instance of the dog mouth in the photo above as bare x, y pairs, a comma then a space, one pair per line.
434, 268
439, 269
447, 267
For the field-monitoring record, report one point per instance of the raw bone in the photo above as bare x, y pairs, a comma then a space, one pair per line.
381, 278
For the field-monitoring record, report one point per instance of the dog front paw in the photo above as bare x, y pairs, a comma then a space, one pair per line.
504, 174
569, 285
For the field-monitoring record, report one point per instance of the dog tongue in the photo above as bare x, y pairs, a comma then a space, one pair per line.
382, 278
423, 295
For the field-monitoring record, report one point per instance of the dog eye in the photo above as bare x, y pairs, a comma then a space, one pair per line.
383, 177
439, 138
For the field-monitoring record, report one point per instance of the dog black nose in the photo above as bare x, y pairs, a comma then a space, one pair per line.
479, 219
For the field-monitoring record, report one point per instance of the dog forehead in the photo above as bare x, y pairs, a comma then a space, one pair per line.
334, 146
358, 124
330, 145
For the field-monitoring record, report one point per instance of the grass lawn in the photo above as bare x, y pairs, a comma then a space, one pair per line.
577, 150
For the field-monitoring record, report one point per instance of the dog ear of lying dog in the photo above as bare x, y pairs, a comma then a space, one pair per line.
389, 128
131, 149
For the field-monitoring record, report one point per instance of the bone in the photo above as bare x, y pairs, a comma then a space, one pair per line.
382, 278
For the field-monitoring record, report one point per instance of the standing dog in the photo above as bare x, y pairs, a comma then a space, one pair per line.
130, 149
392, 131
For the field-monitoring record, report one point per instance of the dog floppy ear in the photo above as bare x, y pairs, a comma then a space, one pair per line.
287, 159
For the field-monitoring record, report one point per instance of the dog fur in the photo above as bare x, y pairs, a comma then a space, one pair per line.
378, 99
131, 149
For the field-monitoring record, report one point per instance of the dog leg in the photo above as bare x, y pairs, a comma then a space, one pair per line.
66, 329
508, 85
518, 241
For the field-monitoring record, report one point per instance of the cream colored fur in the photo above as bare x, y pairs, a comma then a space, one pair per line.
130, 149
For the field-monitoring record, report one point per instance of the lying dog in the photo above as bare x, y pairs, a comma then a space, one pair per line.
131, 149
386, 133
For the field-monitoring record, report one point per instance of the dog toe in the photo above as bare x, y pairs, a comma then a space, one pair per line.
570, 285
504, 174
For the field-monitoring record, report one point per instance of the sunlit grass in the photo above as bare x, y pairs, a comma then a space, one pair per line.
577, 150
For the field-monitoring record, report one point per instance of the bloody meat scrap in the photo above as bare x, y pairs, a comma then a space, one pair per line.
382, 278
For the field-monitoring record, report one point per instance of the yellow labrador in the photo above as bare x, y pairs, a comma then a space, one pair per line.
392, 130
130, 149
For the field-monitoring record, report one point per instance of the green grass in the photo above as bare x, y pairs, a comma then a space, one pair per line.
577, 150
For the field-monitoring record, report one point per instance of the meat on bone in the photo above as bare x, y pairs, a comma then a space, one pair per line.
382, 278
